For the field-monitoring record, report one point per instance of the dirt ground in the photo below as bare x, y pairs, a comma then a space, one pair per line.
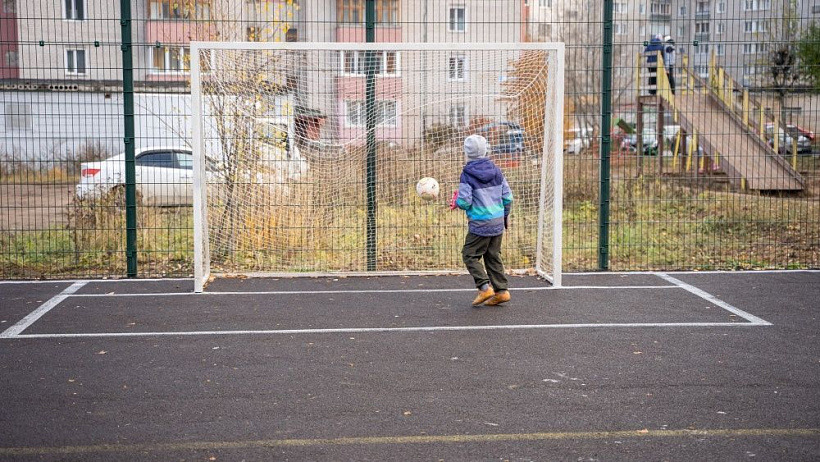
33, 206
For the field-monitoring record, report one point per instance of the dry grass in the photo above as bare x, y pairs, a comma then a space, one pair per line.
660, 223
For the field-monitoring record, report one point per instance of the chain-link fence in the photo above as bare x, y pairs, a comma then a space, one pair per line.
689, 128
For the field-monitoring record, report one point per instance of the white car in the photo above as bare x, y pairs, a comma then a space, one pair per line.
164, 176
577, 139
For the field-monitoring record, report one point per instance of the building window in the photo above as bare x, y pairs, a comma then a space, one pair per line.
355, 62
292, 35
457, 19
178, 9
702, 8
752, 27
620, 28
721, 7
170, 59
701, 27
387, 12
664, 9
682, 11
203, 9
11, 59
356, 113
757, 5
9, 6
252, 33
165, 9
74, 10
458, 115
457, 68
75, 62
350, 11
681, 30
620, 8
545, 3
721, 28
386, 113
703, 49
720, 49
353, 11
754, 48
702, 71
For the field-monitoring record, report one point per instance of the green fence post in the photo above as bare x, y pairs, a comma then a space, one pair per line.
128, 118
606, 118
370, 108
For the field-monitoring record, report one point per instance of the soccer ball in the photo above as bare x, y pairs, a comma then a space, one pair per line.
427, 188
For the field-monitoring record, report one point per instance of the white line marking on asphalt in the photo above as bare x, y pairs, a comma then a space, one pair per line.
714, 300
32, 317
359, 330
359, 291
66, 281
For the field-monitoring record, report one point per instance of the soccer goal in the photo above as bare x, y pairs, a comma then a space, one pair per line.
306, 155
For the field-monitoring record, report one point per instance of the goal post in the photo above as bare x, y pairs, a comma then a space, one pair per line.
279, 137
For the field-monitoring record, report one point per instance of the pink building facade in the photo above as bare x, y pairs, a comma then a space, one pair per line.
350, 86
9, 53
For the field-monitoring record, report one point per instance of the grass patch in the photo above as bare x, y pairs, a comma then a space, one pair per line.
655, 224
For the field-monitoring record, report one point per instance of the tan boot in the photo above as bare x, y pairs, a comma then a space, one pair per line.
499, 298
483, 295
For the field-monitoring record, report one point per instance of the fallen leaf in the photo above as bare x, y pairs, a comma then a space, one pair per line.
102, 352
407, 413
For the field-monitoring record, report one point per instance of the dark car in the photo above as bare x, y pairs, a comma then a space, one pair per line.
504, 137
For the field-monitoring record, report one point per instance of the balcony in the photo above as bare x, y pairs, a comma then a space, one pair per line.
660, 11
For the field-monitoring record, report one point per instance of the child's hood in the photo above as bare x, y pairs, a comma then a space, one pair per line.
484, 170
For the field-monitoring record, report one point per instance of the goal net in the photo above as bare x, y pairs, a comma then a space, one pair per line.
306, 155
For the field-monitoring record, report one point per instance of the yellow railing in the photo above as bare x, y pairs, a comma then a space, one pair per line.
728, 91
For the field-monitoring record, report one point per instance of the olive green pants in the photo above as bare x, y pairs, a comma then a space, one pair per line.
489, 248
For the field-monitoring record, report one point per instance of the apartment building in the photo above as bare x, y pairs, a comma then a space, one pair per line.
740, 33
78, 40
407, 84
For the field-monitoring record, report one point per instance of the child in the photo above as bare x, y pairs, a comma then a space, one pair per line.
669, 53
484, 194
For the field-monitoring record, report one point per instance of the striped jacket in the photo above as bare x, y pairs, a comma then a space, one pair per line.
486, 196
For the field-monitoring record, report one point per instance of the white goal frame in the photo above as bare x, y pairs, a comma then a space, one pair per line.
553, 128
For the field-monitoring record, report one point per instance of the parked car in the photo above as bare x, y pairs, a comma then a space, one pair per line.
164, 176
805, 132
504, 137
577, 139
670, 134
786, 139
650, 143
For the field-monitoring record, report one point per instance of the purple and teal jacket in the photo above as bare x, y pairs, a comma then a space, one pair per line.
485, 195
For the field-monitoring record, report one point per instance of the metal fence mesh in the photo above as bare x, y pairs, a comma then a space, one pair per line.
721, 176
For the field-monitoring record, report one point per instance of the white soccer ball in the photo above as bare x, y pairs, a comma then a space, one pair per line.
427, 188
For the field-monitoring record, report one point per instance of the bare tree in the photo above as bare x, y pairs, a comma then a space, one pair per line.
782, 68
582, 31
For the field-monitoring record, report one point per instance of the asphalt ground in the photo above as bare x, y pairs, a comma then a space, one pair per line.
678, 366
